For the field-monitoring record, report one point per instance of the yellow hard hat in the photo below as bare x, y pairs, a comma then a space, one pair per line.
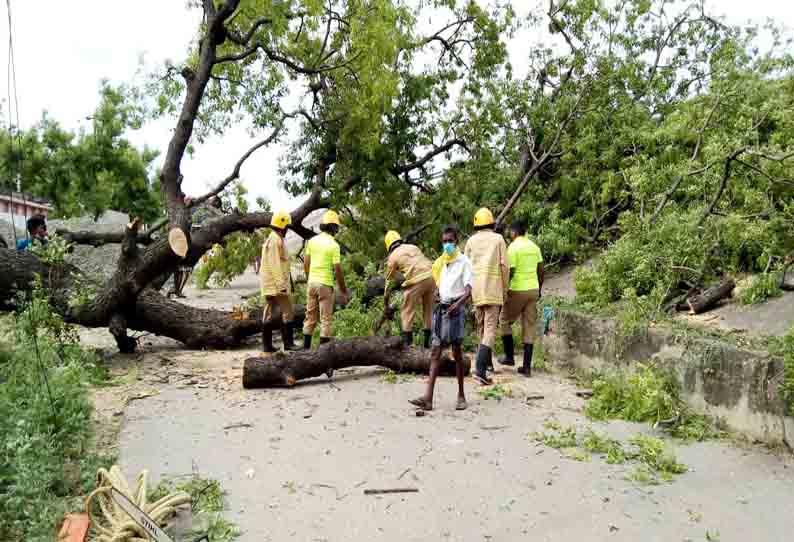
391, 237
483, 217
281, 220
330, 217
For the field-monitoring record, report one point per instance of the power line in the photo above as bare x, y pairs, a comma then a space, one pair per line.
12, 84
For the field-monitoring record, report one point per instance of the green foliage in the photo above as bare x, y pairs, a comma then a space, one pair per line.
558, 437
46, 460
657, 458
497, 391
784, 347
763, 287
604, 445
649, 395
208, 501
230, 260
87, 172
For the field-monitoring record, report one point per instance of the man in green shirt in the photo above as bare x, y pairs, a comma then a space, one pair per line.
526, 280
322, 264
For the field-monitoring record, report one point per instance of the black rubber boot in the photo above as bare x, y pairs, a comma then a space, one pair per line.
330, 371
526, 370
426, 339
287, 336
407, 337
508, 358
267, 341
307, 342
484, 355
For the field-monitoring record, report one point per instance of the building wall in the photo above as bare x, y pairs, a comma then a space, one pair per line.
20, 210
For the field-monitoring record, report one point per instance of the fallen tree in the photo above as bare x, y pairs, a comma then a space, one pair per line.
248, 51
286, 369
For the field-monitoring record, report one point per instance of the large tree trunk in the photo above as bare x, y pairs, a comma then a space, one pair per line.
286, 369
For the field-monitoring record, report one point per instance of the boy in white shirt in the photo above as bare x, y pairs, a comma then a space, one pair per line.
453, 275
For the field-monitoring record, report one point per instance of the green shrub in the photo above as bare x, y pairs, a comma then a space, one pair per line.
762, 288
46, 426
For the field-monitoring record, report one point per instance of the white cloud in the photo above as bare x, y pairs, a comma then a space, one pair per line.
63, 50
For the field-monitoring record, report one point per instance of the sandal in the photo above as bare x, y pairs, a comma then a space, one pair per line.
421, 403
461, 404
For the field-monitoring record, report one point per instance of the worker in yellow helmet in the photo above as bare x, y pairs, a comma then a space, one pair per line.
487, 252
526, 280
322, 264
418, 285
275, 283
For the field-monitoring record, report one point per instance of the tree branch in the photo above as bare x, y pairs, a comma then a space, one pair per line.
540, 162
723, 183
235, 174
404, 168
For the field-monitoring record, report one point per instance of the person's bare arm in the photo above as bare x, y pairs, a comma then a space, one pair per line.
460, 303
340, 281
306, 262
541, 275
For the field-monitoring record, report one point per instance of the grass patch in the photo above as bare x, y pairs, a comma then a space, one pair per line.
208, 500
47, 457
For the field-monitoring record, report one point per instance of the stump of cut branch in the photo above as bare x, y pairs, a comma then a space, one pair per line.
707, 299
287, 368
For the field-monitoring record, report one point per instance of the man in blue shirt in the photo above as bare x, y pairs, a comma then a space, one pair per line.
37, 230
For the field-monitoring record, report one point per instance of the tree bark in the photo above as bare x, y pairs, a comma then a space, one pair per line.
286, 369
706, 300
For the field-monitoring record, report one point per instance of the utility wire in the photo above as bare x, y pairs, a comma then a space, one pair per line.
12, 85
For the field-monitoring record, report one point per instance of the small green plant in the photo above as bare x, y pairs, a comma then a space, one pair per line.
497, 391
763, 287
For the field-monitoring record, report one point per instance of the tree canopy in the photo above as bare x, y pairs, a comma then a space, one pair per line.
84, 173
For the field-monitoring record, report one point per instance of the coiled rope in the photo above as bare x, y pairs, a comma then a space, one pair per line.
112, 523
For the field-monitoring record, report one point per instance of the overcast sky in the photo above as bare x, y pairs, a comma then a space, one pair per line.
63, 49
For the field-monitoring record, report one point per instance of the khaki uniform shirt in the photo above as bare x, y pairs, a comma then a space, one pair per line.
487, 251
274, 269
409, 260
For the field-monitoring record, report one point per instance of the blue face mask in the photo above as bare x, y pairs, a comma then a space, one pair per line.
449, 248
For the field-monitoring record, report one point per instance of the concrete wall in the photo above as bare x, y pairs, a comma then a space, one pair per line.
735, 385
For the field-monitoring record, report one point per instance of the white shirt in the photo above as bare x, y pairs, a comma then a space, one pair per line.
454, 279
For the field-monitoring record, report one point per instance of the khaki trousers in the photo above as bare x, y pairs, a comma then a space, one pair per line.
523, 305
283, 302
421, 292
487, 323
319, 305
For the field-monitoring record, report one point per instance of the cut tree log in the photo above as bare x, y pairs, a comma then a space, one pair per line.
704, 301
286, 369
